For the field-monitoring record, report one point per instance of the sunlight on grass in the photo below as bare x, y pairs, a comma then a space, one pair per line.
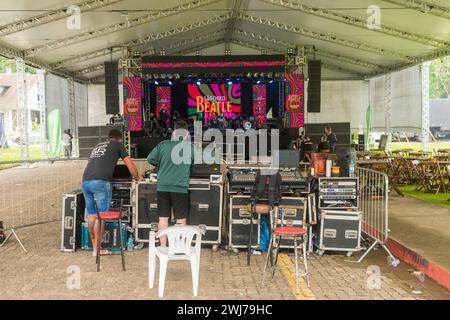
440, 199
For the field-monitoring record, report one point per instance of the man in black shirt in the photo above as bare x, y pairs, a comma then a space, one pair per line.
331, 138
96, 180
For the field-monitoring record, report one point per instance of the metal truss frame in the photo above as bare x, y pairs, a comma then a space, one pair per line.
51, 16
143, 40
424, 7
172, 46
387, 102
22, 108
72, 110
320, 52
42, 110
425, 132
352, 21
131, 23
238, 7
330, 66
325, 37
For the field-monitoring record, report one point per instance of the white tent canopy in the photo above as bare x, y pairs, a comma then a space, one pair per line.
73, 38
47, 32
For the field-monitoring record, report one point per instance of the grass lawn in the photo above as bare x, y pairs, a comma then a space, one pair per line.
13, 154
417, 146
440, 199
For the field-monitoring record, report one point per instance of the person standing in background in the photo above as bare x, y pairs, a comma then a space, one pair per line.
331, 138
67, 143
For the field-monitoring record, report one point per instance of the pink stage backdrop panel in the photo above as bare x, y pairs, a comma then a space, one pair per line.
260, 103
132, 96
133, 123
163, 100
294, 108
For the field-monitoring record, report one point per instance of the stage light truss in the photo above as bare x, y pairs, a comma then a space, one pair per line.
352, 21
325, 37
22, 108
327, 65
176, 50
424, 7
172, 46
309, 50
117, 27
52, 15
143, 40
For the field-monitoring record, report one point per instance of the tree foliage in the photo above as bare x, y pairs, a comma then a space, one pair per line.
10, 64
440, 78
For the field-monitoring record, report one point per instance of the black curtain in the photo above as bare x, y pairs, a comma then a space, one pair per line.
273, 97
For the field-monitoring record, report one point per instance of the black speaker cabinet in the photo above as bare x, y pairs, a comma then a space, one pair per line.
112, 87
89, 137
314, 86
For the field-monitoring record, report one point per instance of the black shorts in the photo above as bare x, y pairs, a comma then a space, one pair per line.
178, 201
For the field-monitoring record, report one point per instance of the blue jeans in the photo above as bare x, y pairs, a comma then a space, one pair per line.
97, 192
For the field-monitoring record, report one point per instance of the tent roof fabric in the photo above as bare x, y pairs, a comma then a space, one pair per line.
74, 38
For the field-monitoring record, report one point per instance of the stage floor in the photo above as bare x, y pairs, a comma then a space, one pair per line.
42, 274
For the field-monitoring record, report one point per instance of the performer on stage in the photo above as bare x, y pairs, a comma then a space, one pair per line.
96, 181
173, 177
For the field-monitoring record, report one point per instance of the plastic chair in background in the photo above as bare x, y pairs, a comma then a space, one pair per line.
179, 247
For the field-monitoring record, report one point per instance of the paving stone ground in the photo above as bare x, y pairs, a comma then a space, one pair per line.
42, 274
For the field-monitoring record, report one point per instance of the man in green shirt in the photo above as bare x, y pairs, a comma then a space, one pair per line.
173, 159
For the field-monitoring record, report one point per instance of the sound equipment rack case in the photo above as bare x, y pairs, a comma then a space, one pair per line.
206, 207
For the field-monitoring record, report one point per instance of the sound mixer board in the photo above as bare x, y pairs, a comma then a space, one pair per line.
243, 180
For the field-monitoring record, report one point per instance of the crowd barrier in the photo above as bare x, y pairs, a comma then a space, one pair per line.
374, 205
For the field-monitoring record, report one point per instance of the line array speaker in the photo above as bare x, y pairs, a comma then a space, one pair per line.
112, 87
314, 75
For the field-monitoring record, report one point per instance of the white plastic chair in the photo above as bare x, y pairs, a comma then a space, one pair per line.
179, 247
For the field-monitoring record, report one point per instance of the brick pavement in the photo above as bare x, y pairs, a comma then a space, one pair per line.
42, 274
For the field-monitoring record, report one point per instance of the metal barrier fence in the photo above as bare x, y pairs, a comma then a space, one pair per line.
374, 205
31, 192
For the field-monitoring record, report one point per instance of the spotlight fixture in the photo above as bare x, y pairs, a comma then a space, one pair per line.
290, 51
198, 53
156, 82
258, 82
264, 51
271, 81
136, 54
170, 82
230, 82
198, 82
162, 52
228, 52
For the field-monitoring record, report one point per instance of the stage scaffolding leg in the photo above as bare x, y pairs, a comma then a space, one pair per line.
42, 112
12, 232
22, 108
425, 70
72, 115
387, 102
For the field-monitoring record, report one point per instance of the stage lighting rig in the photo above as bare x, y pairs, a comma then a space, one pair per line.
228, 52
162, 52
198, 53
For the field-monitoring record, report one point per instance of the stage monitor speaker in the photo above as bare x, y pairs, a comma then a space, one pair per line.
112, 87
314, 75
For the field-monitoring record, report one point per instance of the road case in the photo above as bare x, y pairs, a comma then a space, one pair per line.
73, 208
338, 230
